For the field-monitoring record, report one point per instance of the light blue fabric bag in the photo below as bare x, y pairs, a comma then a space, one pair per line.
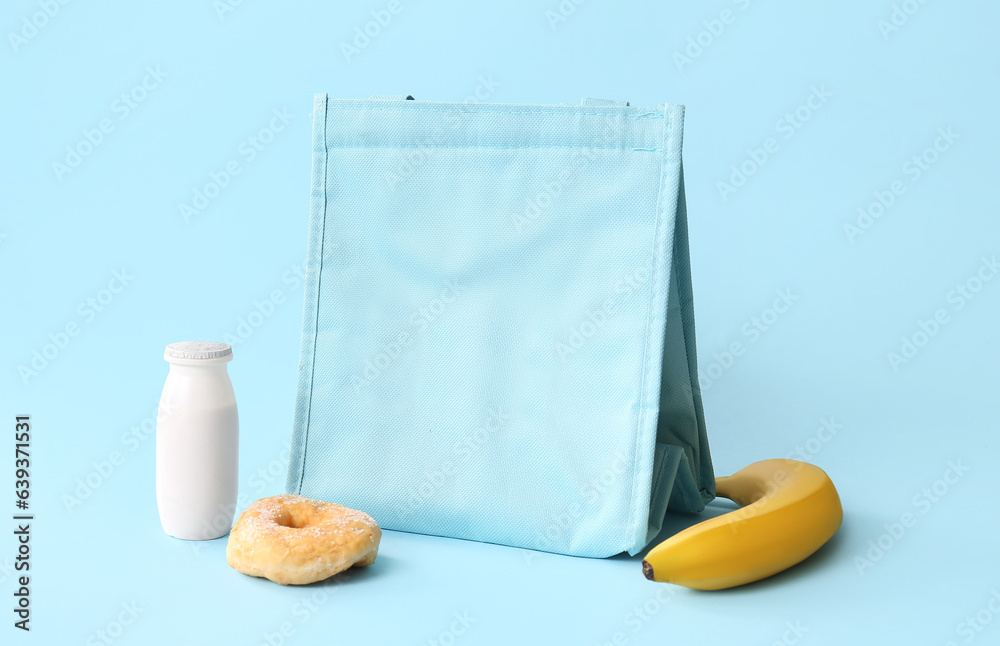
498, 336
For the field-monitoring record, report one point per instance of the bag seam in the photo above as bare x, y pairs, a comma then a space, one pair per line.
645, 352
555, 110
319, 281
490, 147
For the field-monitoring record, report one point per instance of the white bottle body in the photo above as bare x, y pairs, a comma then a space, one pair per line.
197, 450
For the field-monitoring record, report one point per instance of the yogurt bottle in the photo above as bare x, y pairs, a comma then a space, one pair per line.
197, 442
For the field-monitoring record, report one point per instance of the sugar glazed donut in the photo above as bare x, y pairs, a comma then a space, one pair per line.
293, 540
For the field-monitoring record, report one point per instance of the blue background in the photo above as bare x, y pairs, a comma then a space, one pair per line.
857, 296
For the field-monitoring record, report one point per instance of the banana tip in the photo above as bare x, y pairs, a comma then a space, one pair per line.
647, 570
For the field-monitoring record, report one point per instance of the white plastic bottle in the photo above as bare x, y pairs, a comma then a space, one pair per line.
197, 443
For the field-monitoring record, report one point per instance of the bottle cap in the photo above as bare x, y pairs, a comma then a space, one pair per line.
198, 351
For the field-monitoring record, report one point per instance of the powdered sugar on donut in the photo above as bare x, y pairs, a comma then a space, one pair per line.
292, 539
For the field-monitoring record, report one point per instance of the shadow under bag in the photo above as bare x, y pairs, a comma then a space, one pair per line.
498, 333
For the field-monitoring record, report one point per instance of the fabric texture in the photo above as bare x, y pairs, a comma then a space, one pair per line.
498, 332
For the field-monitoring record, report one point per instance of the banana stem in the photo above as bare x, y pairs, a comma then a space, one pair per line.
722, 487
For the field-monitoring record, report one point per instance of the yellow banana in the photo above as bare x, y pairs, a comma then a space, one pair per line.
788, 509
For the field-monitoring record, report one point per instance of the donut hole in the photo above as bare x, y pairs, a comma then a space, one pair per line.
295, 517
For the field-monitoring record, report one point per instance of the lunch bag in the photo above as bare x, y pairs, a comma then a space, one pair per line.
498, 333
